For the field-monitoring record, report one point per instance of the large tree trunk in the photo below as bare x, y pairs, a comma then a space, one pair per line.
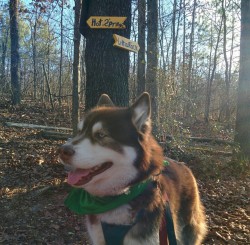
152, 58
141, 79
14, 38
107, 67
242, 134
75, 89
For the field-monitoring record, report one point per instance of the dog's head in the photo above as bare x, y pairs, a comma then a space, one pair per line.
111, 150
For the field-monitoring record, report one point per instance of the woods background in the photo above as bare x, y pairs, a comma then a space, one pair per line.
188, 62
194, 59
198, 59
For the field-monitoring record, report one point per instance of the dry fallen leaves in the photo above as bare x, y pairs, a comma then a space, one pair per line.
32, 189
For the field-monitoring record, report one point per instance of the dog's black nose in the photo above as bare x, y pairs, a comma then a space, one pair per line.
66, 151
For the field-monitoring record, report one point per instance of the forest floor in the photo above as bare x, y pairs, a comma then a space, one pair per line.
32, 183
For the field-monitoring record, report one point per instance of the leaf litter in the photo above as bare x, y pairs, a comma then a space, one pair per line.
33, 187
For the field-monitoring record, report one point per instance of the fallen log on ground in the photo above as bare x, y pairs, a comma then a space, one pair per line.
210, 151
54, 135
50, 132
211, 140
201, 139
34, 126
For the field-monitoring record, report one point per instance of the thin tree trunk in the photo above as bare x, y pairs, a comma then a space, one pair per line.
34, 58
14, 38
226, 99
152, 59
61, 58
231, 52
75, 89
211, 77
4, 45
141, 79
133, 78
184, 43
190, 63
209, 81
173, 57
48, 63
48, 88
174, 87
83, 72
184, 66
162, 40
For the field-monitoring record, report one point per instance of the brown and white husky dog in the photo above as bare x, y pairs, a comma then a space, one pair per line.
115, 150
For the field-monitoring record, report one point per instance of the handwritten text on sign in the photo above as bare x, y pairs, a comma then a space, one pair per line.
124, 43
106, 22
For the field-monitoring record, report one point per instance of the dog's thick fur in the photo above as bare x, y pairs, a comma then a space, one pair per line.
120, 143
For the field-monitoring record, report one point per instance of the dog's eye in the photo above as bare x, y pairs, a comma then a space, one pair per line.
100, 135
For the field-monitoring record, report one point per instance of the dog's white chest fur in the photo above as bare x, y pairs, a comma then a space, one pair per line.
119, 216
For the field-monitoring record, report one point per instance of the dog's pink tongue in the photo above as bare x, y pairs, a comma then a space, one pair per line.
77, 175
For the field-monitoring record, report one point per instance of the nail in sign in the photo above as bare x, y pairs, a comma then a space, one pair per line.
106, 22
124, 43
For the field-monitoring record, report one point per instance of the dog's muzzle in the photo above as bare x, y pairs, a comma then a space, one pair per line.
65, 152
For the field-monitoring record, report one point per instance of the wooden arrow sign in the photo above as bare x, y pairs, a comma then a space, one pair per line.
124, 43
106, 22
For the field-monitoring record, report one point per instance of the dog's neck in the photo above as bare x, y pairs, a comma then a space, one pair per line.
150, 164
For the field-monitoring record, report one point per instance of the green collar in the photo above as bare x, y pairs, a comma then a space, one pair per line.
81, 202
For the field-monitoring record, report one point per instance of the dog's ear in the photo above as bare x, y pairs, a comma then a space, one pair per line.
105, 101
141, 110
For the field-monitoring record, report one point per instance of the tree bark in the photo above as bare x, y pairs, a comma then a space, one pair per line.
4, 45
162, 41
83, 72
242, 130
107, 67
34, 51
225, 108
211, 76
152, 59
184, 43
141, 79
190, 63
48, 88
75, 89
48, 62
61, 56
14, 38
173, 55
